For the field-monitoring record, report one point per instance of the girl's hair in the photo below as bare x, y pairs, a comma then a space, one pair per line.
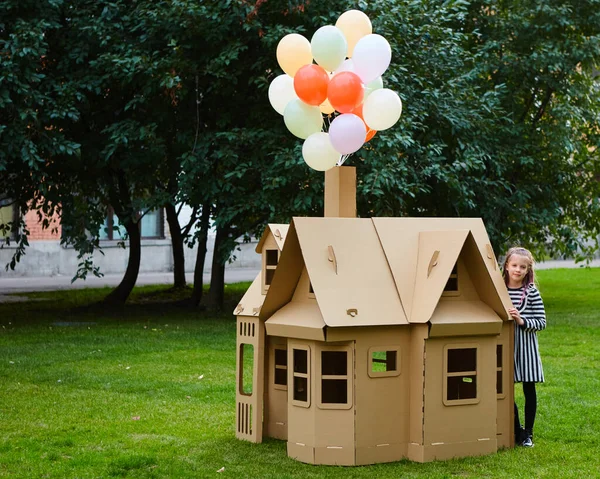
530, 276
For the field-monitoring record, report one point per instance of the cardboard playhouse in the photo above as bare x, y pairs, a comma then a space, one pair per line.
367, 340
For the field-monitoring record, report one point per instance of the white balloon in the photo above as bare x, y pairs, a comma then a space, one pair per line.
382, 109
346, 66
347, 133
301, 119
281, 92
372, 57
318, 152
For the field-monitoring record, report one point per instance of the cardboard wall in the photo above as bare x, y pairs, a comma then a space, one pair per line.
505, 422
462, 429
276, 395
382, 402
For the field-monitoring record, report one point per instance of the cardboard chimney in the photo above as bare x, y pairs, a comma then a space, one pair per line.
368, 340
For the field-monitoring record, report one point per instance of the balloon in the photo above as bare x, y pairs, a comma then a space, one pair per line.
347, 133
310, 84
293, 51
373, 85
372, 56
370, 134
301, 119
382, 109
358, 111
281, 92
326, 107
329, 47
346, 66
354, 24
318, 152
345, 92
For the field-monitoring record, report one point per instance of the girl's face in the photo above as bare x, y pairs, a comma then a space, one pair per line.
517, 268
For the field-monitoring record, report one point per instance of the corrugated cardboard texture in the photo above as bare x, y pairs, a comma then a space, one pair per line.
363, 281
418, 336
340, 192
433, 271
464, 318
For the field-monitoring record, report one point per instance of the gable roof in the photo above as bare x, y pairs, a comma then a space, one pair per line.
279, 232
253, 299
382, 271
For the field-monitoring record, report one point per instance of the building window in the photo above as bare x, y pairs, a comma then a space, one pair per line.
384, 361
499, 383
280, 368
460, 375
451, 288
151, 226
271, 260
336, 372
9, 213
301, 375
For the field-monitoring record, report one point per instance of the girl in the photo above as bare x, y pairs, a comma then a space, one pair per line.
530, 317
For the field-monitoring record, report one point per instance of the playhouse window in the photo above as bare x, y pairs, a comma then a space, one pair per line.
301, 375
451, 288
271, 261
460, 375
499, 385
280, 369
336, 387
246, 365
384, 361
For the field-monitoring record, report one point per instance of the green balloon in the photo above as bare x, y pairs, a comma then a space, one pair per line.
301, 119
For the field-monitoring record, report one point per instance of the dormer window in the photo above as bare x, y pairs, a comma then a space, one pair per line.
270, 265
451, 288
311, 291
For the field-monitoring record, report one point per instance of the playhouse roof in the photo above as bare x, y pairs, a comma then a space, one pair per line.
279, 232
385, 271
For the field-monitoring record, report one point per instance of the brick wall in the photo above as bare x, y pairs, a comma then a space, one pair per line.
35, 228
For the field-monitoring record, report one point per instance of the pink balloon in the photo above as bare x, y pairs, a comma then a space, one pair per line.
347, 133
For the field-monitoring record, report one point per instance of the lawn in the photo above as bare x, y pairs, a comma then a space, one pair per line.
147, 390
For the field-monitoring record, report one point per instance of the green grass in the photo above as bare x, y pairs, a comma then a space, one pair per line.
147, 390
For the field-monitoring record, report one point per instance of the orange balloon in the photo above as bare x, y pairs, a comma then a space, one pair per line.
345, 91
310, 84
370, 134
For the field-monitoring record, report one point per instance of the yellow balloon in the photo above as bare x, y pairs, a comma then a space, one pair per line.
354, 24
326, 107
293, 52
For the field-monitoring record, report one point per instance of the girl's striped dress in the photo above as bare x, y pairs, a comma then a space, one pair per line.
528, 364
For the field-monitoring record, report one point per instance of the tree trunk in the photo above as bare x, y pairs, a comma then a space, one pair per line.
201, 256
177, 246
217, 275
120, 294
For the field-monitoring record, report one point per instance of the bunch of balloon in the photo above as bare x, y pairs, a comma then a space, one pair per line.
343, 86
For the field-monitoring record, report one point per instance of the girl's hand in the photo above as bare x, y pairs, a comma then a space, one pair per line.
516, 316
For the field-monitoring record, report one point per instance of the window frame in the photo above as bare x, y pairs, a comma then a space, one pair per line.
275, 366
446, 374
292, 374
269, 267
110, 229
384, 374
453, 275
500, 369
16, 216
348, 377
